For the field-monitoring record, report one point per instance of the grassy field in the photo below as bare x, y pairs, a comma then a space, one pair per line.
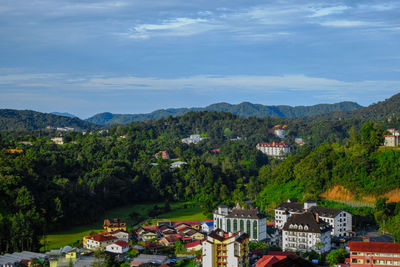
179, 212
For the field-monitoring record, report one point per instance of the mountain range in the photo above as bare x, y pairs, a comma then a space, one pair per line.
244, 110
11, 120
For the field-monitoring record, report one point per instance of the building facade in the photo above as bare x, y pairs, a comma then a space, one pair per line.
249, 221
274, 149
222, 249
306, 232
392, 139
374, 254
339, 220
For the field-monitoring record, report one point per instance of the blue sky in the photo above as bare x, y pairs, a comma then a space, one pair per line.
131, 56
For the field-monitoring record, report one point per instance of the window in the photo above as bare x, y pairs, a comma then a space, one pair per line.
255, 231
234, 225
242, 225
248, 227
228, 225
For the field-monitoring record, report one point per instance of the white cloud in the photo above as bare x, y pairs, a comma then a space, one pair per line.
325, 11
348, 23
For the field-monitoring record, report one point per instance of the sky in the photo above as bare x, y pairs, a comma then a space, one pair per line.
136, 56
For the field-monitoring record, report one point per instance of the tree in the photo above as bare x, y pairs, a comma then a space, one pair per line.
336, 256
179, 248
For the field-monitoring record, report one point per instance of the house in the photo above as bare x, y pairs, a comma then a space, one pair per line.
299, 141
193, 139
192, 234
193, 224
194, 246
280, 132
168, 241
339, 220
162, 154
118, 247
374, 254
114, 224
274, 149
58, 140
273, 257
392, 139
207, 226
148, 235
120, 235
306, 232
250, 221
14, 259
98, 241
225, 249
177, 164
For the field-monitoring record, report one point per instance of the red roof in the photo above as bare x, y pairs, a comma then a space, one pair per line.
281, 253
268, 260
208, 220
193, 244
271, 224
121, 243
101, 238
382, 247
273, 144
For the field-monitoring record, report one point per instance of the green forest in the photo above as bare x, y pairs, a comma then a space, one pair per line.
50, 187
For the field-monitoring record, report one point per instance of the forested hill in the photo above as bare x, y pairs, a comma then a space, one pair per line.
28, 120
383, 109
243, 110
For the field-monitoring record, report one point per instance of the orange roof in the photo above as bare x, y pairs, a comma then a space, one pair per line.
268, 260
361, 246
14, 150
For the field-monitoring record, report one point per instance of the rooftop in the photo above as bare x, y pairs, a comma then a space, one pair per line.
374, 247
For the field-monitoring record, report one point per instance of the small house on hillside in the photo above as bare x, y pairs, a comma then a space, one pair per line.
114, 224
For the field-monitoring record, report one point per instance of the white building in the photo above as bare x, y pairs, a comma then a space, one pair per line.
98, 241
339, 220
280, 132
306, 232
239, 219
58, 140
121, 235
118, 247
274, 149
221, 249
193, 139
177, 164
207, 227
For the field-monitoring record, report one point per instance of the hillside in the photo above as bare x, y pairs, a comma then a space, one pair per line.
65, 114
383, 109
244, 110
17, 120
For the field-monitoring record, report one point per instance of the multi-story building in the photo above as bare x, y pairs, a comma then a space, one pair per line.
193, 139
114, 224
393, 138
339, 220
306, 232
374, 254
222, 249
274, 149
98, 241
249, 221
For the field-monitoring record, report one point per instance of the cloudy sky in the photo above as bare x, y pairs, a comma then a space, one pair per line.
135, 56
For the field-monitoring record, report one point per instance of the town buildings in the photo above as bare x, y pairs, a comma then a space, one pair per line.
274, 149
374, 254
58, 140
306, 232
249, 221
392, 139
222, 249
339, 220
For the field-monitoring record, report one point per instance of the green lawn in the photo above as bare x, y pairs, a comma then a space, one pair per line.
178, 213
